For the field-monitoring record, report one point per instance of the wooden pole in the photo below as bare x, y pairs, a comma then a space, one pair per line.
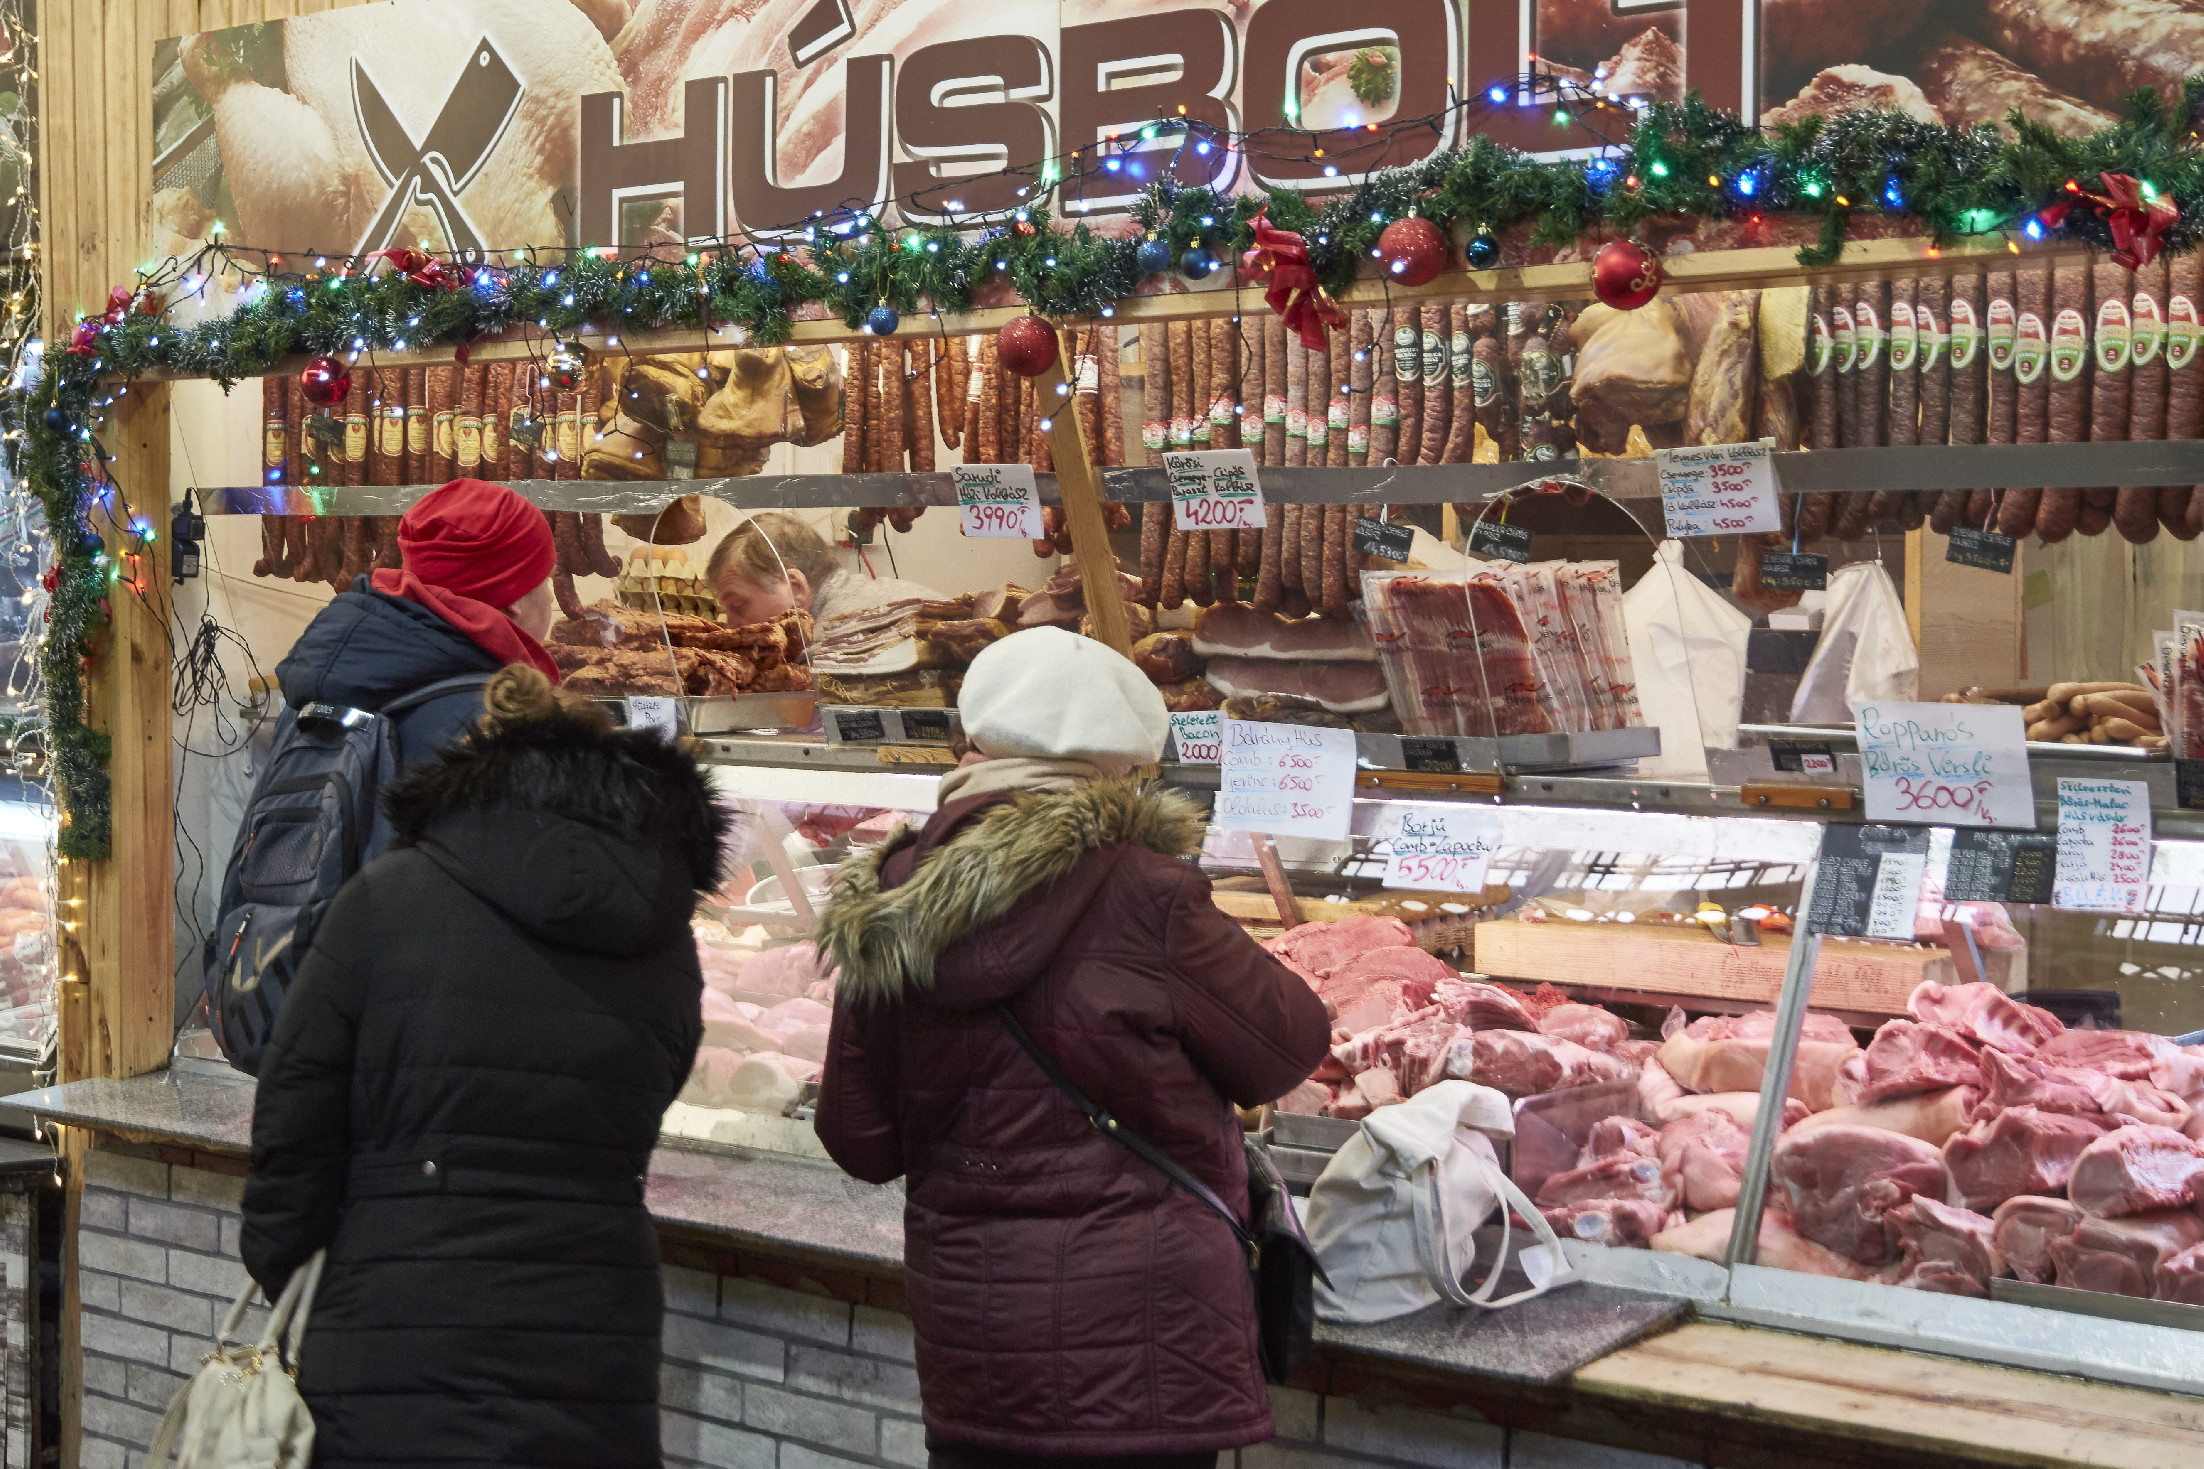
1076, 482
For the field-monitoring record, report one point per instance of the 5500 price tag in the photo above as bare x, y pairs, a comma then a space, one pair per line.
1214, 489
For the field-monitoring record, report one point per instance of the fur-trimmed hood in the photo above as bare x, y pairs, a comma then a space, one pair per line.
898, 912
592, 839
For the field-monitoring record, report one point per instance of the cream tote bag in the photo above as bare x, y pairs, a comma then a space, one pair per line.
1393, 1216
242, 1410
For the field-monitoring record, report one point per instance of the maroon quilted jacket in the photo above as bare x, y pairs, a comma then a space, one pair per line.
1069, 1299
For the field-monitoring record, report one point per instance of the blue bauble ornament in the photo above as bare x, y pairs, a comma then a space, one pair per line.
882, 321
1482, 252
1197, 264
1153, 257
57, 421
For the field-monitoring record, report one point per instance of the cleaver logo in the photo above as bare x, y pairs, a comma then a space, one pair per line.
437, 169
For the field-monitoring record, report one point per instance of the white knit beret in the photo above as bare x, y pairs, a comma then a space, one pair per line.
1052, 693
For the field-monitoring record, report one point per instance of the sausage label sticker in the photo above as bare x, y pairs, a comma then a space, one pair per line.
1867, 336
2070, 347
2147, 334
1407, 355
1841, 318
1903, 338
1966, 335
2003, 335
1216, 489
1928, 334
998, 500
2031, 346
2115, 331
2181, 333
1820, 346
1434, 358
1458, 358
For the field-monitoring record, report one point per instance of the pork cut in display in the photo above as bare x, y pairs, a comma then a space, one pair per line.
1611, 1135
1987, 1013
1482, 1006
1943, 1249
1705, 1158
2126, 1054
1728, 1053
2020, 1150
1523, 1064
2135, 1170
2026, 1227
2181, 1278
1780, 1245
1237, 630
1612, 1222
1842, 1181
2023, 1081
1619, 1176
1930, 1116
1907, 1057
762, 1082
2123, 1257
1319, 948
1338, 687
1463, 655
1588, 1025
1383, 1045
1400, 976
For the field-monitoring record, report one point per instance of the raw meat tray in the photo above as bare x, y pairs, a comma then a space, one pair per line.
1508, 752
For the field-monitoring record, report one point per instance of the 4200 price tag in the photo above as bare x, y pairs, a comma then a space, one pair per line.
1214, 489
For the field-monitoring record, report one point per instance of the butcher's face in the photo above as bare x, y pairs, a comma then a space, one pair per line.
746, 601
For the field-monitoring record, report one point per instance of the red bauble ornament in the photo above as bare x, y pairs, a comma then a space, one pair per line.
1626, 275
324, 381
1026, 346
1413, 251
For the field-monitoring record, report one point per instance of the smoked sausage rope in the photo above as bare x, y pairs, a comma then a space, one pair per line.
1438, 397
1461, 429
1113, 400
1274, 390
1360, 376
1815, 510
2147, 375
2180, 508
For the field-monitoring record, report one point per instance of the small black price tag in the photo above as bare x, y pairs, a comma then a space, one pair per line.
1993, 866
1869, 884
1383, 538
1984, 548
1794, 571
2188, 784
1500, 542
926, 724
527, 433
858, 725
1807, 757
1433, 757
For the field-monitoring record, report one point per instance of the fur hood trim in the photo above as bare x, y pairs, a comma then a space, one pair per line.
886, 941
633, 786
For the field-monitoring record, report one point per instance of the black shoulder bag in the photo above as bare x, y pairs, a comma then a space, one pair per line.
1280, 1263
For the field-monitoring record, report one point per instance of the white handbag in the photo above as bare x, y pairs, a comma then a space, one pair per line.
1394, 1214
241, 1410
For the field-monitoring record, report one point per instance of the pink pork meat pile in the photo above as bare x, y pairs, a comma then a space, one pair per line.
765, 1027
1980, 1138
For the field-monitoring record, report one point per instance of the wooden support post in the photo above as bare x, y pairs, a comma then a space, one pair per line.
1076, 481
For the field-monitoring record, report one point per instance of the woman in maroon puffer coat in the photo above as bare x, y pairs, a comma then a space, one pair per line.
1070, 1301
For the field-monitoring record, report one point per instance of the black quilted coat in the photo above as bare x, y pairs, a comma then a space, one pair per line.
461, 1099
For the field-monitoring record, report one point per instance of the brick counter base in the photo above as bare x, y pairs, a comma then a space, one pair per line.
767, 1365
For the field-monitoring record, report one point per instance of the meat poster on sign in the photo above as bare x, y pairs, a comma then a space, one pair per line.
503, 124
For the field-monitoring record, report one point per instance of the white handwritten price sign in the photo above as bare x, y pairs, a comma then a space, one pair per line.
1442, 848
2104, 846
654, 712
1718, 490
1286, 779
1946, 764
998, 500
1214, 489
1198, 737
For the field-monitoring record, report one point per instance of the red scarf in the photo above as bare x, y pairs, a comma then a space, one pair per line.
472, 549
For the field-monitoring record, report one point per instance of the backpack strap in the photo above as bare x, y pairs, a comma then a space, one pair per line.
458, 683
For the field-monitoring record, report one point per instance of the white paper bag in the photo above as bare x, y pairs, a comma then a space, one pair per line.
1688, 647
1866, 652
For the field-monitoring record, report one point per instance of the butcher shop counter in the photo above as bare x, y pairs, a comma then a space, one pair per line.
785, 1322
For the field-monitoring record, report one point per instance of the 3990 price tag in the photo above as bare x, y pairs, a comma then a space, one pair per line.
1214, 489
998, 500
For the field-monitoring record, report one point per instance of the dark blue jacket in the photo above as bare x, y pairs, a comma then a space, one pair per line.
365, 649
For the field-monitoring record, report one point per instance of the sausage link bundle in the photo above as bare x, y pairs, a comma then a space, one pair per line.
1155, 392
2180, 507
1384, 391
2016, 509
1269, 580
1407, 343
1297, 402
1437, 387
1359, 378
1274, 390
1816, 510
1461, 432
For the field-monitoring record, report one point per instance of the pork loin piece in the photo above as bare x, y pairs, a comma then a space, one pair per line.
1382, 1045
1987, 1013
1612, 1222
2135, 1170
1523, 1064
2126, 1054
1704, 1156
1482, 1006
2022, 1150
1320, 948
2026, 1226
1708, 1238
1402, 976
2182, 1278
1622, 1176
1906, 1057
1728, 1053
1588, 1025
1944, 1249
2024, 1081
2122, 1257
1842, 1181
1930, 1116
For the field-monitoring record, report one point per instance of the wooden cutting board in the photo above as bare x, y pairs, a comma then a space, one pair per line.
1673, 959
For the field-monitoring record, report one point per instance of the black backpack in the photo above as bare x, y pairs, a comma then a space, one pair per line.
310, 824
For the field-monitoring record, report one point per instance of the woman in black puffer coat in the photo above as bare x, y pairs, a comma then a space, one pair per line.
464, 1088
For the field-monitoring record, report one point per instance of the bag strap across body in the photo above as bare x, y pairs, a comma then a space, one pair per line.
1099, 1118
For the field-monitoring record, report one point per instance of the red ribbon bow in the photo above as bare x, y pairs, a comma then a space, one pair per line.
1283, 258
118, 304
2136, 222
84, 341
419, 267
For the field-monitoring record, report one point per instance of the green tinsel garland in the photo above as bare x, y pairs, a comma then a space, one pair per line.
1683, 160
